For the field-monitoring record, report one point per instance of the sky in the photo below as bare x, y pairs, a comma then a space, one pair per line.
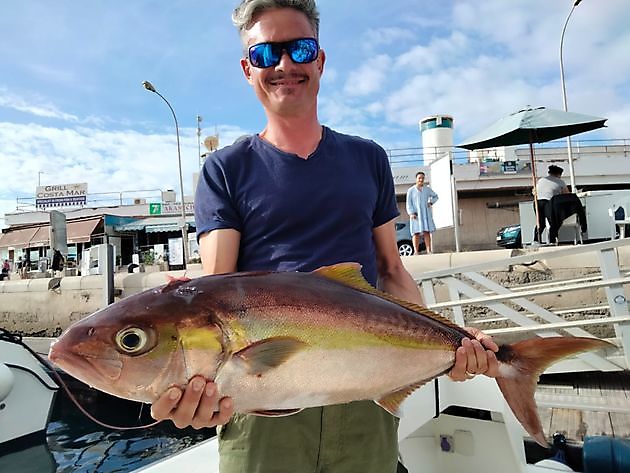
72, 108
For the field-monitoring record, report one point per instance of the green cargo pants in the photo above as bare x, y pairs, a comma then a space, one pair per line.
349, 438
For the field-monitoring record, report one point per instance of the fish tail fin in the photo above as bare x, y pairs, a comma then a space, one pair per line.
520, 365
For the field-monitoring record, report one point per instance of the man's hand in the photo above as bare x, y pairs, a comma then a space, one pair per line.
194, 407
475, 357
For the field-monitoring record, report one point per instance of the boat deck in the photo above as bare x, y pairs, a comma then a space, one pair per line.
585, 404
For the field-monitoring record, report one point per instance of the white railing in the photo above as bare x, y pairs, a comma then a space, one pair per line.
516, 306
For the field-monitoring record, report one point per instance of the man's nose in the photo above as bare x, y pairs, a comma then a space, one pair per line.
285, 61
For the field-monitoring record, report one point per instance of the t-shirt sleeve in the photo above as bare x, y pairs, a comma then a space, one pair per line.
386, 208
214, 199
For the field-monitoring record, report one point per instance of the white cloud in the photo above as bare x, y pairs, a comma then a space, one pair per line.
330, 76
376, 37
438, 53
369, 78
110, 162
41, 109
487, 59
389, 65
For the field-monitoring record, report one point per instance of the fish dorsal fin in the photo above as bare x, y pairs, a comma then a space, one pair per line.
174, 282
269, 353
346, 273
391, 403
350, 275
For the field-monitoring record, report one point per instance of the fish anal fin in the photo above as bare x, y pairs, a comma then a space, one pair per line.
276, 412
520, 365
269, 353
350, 275
391, 403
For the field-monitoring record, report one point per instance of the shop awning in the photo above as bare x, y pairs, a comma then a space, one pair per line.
17, 238
81, 231
154, 225
78, 232
164, 227
41, 237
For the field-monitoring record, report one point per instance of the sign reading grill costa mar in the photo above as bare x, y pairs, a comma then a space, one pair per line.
61, 195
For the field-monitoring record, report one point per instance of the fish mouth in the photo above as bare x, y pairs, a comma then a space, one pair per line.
92, 371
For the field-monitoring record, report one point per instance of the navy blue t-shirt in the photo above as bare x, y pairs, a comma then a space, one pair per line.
297, 214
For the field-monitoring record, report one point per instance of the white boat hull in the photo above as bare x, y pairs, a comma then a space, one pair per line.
26, 394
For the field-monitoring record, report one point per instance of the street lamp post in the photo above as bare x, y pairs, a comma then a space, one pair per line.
147, 85
199, 120
564, 95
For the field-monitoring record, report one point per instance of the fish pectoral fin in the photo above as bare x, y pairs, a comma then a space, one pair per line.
276, 413
269, 353
391, 403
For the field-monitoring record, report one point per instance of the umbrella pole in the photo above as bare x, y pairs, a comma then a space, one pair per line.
534, 180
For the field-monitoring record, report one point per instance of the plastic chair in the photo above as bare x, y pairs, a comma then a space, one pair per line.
570, 221
619, 219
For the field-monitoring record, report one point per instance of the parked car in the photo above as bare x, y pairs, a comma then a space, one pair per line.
510, 236
403, 239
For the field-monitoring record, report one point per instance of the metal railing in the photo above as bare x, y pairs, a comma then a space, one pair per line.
413, 156
516, 307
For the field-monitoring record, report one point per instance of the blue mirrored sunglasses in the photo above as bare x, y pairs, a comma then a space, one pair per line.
301, 51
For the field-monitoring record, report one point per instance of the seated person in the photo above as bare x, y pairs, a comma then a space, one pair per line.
546, 188
561, 207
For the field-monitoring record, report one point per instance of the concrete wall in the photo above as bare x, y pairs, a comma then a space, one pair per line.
29, 307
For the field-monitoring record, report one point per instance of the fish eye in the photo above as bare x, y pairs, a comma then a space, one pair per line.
132, 340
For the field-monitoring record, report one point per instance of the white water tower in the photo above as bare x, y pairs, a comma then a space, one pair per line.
437, 137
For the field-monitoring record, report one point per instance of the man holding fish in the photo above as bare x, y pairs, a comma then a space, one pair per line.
296, 197
288, 319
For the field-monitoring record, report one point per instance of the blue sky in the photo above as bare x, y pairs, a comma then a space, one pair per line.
72, 106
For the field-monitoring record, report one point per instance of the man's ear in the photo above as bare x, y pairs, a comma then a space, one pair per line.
247, 70
321, 59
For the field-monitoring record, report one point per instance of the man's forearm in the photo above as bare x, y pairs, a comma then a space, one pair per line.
400, 284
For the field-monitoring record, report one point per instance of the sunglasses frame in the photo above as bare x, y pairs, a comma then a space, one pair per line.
285, 46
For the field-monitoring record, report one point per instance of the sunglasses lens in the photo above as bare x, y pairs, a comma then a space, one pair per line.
301, 51
264, 55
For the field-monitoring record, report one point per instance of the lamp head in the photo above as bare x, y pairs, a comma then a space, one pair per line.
149, 86
577, 2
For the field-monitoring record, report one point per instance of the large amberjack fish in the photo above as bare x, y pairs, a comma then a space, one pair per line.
279, 342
